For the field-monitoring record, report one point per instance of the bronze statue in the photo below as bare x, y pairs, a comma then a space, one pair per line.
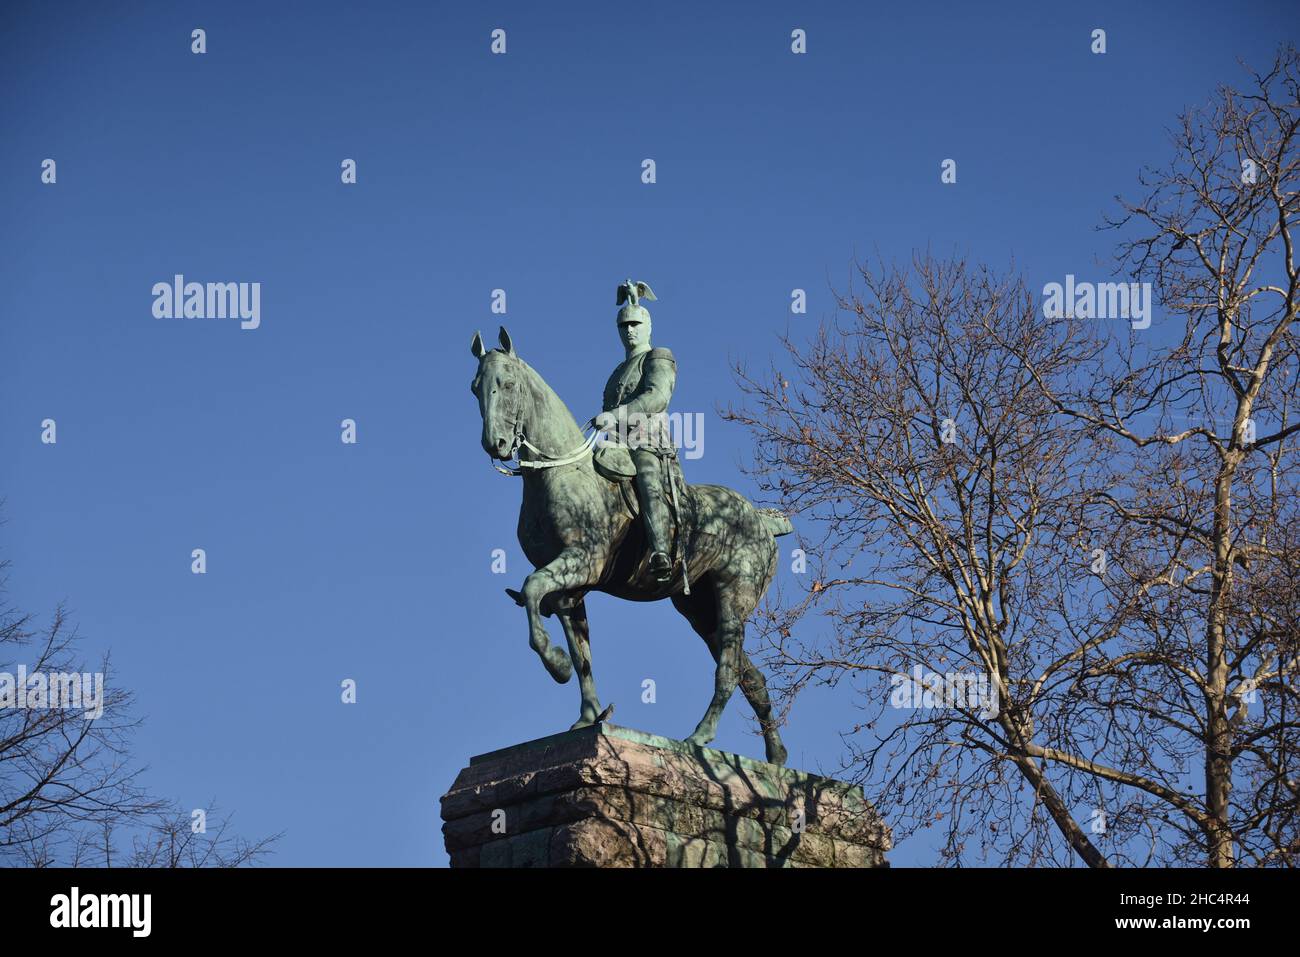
578, 521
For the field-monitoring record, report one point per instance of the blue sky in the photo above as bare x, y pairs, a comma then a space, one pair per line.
523, 172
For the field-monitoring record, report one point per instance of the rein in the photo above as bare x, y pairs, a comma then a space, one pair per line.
545, 461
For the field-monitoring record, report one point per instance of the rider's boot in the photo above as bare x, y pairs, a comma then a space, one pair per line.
654, 512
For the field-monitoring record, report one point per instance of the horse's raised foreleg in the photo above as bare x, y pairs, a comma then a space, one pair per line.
569, 570
576, 630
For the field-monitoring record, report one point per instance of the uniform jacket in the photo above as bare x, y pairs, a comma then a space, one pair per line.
638, 393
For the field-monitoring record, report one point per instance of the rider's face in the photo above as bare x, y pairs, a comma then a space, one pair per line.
634, 335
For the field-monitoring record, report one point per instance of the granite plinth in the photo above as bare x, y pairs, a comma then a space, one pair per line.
608, 796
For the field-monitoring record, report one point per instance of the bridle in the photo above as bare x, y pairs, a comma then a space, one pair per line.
544, 460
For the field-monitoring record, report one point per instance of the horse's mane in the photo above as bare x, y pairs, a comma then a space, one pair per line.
543, 386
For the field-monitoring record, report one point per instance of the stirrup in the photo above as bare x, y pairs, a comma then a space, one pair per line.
661, 566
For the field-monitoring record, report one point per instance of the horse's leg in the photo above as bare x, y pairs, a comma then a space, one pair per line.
699, 610
576, 630
754, 686
727, 645
736, 592
569, 570
757, 575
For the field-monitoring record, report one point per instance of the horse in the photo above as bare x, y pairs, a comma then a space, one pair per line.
581, 532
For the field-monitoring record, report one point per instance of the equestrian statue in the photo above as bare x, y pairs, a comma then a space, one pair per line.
610, 512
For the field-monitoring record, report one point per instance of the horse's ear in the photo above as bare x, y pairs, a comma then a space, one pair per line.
476, 346
504, 338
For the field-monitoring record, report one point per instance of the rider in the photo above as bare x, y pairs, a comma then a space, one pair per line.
635, 415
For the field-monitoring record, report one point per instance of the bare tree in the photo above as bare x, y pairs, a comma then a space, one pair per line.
1103, 525
70, 793
941, 479
1207, 425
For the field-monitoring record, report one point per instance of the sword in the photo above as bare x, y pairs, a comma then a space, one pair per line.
677, 514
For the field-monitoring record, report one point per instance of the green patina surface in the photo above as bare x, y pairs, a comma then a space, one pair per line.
636, 531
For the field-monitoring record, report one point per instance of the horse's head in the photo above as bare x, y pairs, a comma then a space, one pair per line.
500, 389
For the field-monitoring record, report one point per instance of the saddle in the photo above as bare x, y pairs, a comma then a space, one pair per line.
614, 462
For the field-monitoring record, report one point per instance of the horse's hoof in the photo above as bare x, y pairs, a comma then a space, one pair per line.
776, 753
557, 664
699, 740
590, 717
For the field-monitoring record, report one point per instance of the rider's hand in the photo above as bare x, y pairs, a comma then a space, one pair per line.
605, 422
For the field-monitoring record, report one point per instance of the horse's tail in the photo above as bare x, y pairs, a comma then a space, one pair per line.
775, 521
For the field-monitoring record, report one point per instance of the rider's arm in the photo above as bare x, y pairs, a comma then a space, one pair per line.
659, 376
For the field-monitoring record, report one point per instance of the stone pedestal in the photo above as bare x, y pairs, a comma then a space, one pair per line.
606, 796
